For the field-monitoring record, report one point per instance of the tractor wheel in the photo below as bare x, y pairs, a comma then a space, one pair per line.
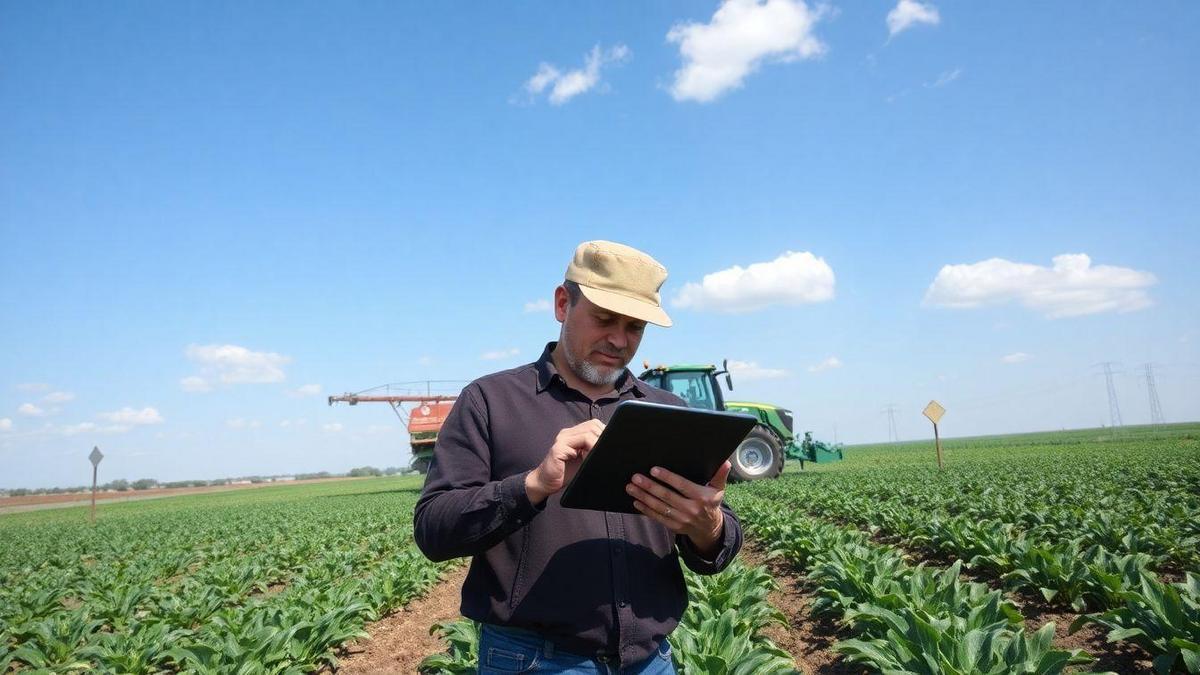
758, 456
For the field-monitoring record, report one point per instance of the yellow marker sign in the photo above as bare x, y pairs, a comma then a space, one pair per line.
934, 411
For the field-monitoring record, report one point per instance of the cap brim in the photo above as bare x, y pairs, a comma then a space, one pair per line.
622, 304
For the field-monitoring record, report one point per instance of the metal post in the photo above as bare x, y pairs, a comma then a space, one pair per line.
937, 441
95, 458
94, 467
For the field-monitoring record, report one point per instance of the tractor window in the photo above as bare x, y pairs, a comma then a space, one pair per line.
693, 387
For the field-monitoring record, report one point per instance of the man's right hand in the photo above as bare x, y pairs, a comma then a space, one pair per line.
563, 460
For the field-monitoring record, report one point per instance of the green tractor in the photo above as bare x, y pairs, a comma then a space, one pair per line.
768, 445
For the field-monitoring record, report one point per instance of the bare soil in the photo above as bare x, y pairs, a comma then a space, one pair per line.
401, 640
807, 638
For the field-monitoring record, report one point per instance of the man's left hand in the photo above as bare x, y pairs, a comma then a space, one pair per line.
683, 506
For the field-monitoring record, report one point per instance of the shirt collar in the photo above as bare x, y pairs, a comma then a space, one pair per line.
547, 372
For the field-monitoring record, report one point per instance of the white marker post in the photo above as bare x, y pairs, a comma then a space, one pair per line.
95, 457
934, 412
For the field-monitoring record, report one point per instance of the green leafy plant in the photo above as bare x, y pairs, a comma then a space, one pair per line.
1162, 618
462, 652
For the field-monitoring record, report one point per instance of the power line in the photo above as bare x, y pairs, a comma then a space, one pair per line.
1156, 415
893, 435
1114, 408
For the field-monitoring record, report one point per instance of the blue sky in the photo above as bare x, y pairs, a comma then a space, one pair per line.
287, 200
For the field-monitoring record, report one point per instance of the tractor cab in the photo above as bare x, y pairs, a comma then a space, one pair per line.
763, 452
695, 384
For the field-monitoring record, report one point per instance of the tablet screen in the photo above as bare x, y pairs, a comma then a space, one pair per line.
690, 442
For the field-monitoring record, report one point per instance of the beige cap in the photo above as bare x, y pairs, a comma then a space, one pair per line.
620, 279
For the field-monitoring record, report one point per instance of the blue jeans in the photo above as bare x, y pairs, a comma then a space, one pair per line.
511, 650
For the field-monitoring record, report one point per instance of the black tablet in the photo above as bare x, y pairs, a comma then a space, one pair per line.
690, 442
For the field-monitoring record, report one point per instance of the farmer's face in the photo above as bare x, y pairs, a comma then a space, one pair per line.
597, 343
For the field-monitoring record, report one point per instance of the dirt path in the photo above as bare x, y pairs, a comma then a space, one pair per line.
400, 641
809, 640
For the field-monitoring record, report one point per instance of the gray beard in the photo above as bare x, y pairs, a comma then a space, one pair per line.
584, 369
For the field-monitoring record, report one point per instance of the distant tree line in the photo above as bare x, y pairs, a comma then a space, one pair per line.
123, 485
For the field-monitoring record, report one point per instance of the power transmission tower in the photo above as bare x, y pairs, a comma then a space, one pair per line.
1114, 408
1156, 415
893, 435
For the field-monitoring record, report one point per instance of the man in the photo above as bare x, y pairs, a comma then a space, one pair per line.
569, 590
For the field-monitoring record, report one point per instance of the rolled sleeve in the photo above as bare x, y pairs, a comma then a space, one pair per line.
731, 543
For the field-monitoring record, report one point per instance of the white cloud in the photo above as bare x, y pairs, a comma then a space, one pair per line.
76, 429
232, 364
30, 410
90, 428
564, 86
195, 383
305, 390
133, 417
742, 34
379, 429
499, 354
5, 424
33, 387
828, 363
425, 361
58, 397
908, 13
946, 78
298, 422
790, 279
1015, 357
542, 305
242, 423
1071, 287
332, 428
750, 370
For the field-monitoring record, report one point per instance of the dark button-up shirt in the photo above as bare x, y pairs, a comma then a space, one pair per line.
595, 582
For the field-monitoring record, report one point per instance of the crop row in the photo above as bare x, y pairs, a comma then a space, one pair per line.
904, 618
1128, 505
1090, 537
274, 586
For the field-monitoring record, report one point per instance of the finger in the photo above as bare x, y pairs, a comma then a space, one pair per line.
564, 452
661, 502
673, 498
682, 485
669, 521
722, 475
584, 439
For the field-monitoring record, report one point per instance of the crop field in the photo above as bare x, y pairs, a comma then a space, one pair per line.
957, 571
939, 571
269, 580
